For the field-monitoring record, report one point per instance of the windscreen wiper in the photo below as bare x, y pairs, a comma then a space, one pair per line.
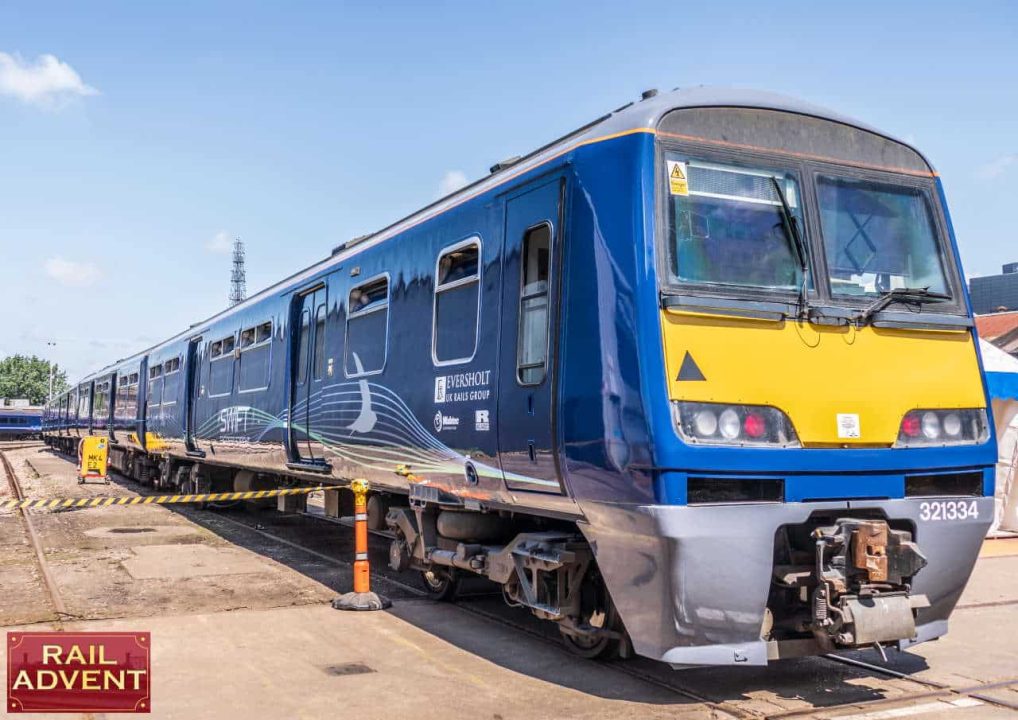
909, 296
791, 227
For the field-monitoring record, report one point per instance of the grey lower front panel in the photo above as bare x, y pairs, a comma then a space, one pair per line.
691, 583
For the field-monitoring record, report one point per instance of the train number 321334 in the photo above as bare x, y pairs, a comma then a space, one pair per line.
948, 510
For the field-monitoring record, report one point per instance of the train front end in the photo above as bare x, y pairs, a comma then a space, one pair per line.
823, 453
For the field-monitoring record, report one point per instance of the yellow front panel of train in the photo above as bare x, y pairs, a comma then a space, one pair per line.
816, 373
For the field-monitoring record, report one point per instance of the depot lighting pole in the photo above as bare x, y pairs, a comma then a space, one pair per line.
51, 344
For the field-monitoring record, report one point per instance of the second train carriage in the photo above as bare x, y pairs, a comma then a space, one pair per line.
20, 423
698, 380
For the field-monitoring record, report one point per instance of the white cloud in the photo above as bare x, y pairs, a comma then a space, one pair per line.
221, 243
47, 81
452, 181
996, 168
72, 273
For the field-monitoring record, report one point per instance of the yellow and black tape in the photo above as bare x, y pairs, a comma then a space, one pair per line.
62, 503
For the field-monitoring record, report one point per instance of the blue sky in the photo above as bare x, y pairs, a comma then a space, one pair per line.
137, 137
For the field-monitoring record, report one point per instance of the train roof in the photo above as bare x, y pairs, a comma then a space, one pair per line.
28, 410
644, 114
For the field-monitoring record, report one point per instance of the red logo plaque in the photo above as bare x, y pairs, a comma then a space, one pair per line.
78, 672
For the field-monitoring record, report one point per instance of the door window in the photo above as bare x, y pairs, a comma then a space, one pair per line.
319, 357
532, 348
302, 347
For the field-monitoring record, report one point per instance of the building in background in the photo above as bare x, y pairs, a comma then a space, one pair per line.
995, 293
1001, 329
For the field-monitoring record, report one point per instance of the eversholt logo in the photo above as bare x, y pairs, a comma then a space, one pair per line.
445, 422
463, 387
78, 672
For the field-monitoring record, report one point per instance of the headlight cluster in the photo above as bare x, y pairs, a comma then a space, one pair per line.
723, 424
943, 427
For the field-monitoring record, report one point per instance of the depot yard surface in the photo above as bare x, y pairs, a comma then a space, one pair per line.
237, 601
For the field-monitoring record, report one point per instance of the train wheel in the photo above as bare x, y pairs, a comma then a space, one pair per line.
597, 613
442, 584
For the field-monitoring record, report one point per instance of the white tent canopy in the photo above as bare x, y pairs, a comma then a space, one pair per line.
1002, 382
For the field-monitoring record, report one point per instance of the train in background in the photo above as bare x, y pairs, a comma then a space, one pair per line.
697, 381
20, 423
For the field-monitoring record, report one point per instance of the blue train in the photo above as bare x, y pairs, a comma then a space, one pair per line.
20, 423
697, 381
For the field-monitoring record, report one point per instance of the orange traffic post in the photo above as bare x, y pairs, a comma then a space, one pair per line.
361, 598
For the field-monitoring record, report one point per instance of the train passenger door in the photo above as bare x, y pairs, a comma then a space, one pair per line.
526, 406
192, 391
307, 375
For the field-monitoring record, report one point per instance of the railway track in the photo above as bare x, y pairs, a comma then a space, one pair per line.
52, 591
19, 444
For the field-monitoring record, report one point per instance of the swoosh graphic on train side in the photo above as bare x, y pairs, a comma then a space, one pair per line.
367, 418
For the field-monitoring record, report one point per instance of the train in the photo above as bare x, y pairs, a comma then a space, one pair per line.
697, 381
23, 423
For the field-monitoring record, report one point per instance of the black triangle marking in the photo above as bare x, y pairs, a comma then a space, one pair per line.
690, 370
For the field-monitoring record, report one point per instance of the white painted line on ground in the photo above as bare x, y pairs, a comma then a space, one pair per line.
922, 709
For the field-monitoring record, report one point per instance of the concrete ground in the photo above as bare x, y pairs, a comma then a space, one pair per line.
237, 605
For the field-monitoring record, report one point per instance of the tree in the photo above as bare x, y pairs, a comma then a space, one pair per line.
28, 377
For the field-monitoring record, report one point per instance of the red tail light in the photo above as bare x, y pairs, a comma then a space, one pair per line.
754, 425
911, 425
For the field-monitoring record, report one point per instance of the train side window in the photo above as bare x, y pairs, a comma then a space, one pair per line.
83, 402
100, 405
319, 357
367, 323
123, 390
125, 407
155, 389
221, 367
171, 380
132, 394
532, 339
253, 363
457, 304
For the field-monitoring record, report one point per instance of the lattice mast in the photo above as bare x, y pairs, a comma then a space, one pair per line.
238, 278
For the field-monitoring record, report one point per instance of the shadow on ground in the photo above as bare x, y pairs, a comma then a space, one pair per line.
481, 624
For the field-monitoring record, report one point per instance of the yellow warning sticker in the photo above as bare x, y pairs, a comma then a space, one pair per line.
678, 184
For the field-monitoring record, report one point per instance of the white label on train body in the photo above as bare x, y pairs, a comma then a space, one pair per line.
848, 426
936, 510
